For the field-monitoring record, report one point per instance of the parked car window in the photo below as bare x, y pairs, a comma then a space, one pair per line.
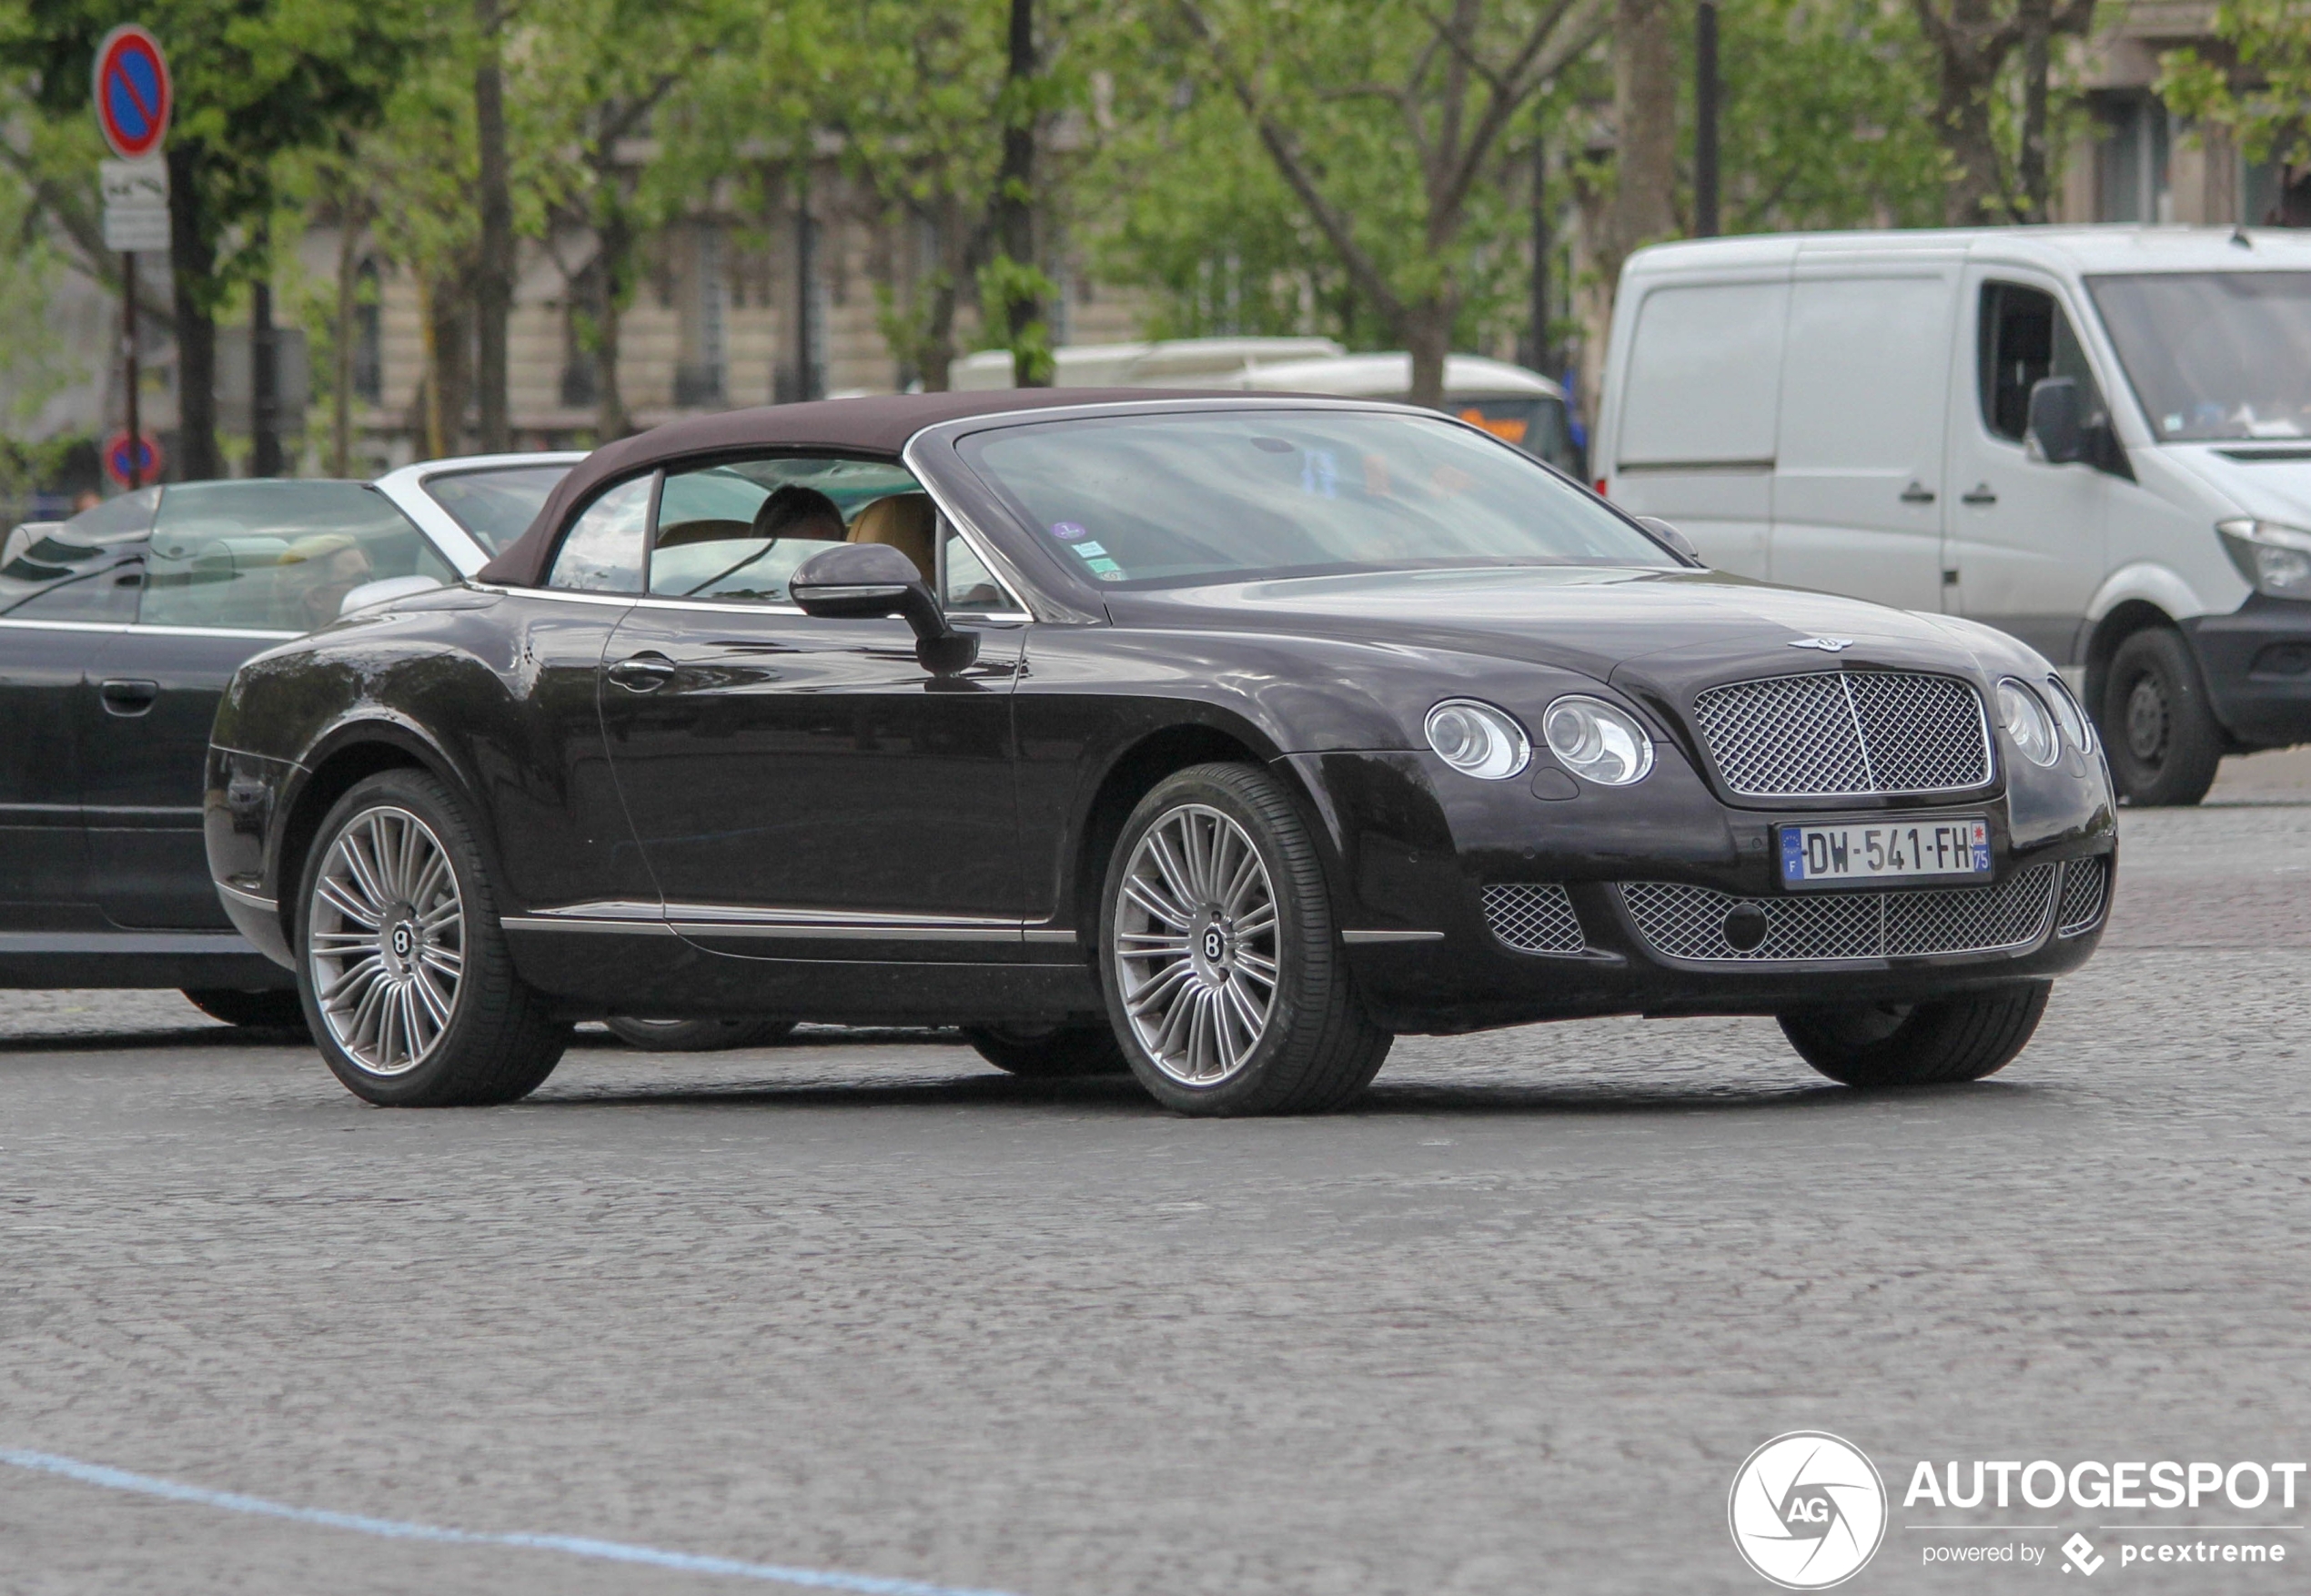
496, 506
1537, 424
1229, 495
275, 556
2215, 354
738, 528
2026, 337
86, 568
602, 550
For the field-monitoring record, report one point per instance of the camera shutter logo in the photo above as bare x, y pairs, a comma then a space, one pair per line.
1808, 1510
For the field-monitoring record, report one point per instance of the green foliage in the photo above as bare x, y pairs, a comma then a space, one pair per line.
2272, 119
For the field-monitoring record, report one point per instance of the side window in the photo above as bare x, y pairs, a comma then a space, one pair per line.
741, 529
275, 556
966, 583
2026, 337
602, 553
86, 569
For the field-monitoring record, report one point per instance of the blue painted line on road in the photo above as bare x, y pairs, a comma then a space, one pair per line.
401, 1530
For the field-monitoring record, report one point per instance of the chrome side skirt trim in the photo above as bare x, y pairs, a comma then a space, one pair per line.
247, 900
1364, 938
726, 920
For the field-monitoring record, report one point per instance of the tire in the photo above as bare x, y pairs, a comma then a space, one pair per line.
2157, 728
1919, 1045
1049, 1053
1227, 986
698, 1036
275, 1010
403, 968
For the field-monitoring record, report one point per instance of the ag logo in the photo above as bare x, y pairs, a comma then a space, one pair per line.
1808, 1510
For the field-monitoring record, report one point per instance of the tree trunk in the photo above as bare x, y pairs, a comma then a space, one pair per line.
1023, 310
264, 377
1427, 335
611, 263
494, 270
1972, 47
192, 254
1645, 116
447, 315
2036, 17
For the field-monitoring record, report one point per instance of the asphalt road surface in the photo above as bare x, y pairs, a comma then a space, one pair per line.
862, 1305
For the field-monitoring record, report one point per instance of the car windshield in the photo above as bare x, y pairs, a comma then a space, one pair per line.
496, 506
2216, 354
1190, 496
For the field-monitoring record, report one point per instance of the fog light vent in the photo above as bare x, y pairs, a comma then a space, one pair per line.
1533, 917
2085, 886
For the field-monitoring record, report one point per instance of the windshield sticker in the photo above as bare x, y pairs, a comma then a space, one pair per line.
1066, 532
1090, 550
1105, 567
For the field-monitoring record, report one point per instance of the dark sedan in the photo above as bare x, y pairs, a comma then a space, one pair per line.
1217, 738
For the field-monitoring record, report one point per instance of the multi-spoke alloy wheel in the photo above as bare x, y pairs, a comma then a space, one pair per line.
1226, 983
386, 941
403, 967
1196, 940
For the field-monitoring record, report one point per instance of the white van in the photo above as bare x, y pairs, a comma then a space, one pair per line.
2097, 439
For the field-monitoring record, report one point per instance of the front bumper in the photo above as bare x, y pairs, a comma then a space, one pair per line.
2257, 665
1418, 846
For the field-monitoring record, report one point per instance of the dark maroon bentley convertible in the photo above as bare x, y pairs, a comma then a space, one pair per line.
1216, 738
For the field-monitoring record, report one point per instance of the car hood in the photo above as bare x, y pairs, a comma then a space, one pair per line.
2269, 480
1577, 617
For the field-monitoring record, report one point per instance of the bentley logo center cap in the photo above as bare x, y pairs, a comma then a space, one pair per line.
1828, 645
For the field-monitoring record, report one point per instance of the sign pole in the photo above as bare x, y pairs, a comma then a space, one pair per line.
129, 350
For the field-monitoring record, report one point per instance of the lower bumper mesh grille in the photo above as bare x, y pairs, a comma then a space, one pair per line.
2085, 889
1681, 921
1533, 917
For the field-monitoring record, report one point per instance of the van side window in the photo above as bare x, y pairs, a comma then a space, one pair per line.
2025, 336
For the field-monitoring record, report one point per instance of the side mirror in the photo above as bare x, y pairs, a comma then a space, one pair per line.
1678, 542
866, 582
386, 590
2057, 429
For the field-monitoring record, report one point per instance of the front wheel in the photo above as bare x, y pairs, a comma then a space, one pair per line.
2163, 745
698, 1036
1224, 977
404, 971
1921, 1044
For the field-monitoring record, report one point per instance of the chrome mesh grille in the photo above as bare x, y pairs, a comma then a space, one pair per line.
1533, 917
2085, 884
1831, 734
1683, 922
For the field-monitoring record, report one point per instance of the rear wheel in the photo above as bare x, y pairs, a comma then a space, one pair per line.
2165, 746
1049, 1052
405, 974
275, 1010
1224, 977
1922, 1043
698, 1036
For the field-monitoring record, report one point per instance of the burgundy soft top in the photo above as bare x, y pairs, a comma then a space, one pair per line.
880, 425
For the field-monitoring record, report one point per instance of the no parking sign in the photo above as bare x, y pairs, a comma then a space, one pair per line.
134, 96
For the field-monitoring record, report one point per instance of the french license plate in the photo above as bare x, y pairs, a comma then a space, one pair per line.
1827, 855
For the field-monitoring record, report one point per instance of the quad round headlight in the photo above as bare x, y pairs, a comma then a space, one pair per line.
2069, 716
2027, 723
1478, 739
1597, 741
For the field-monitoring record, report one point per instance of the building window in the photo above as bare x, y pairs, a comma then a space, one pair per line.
2133, 161
699, 374
369, 334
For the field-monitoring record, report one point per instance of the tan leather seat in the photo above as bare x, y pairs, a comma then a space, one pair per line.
909, 523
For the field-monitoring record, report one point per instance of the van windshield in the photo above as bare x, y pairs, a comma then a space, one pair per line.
2216, 354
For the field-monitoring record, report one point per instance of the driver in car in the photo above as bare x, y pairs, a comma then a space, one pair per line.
319, 571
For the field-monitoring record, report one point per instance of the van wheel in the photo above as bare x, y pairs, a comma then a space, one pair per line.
1918, 1044
1225, 978
404, 971
262, 1011
1049, 1052
698, 1036
2163, 745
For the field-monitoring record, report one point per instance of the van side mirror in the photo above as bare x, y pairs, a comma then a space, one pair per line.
1678, 542
866, 582
2057, 429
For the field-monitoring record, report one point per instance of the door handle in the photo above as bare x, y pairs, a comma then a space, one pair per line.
1917, 493
129, 698
643, 672
1981, 495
